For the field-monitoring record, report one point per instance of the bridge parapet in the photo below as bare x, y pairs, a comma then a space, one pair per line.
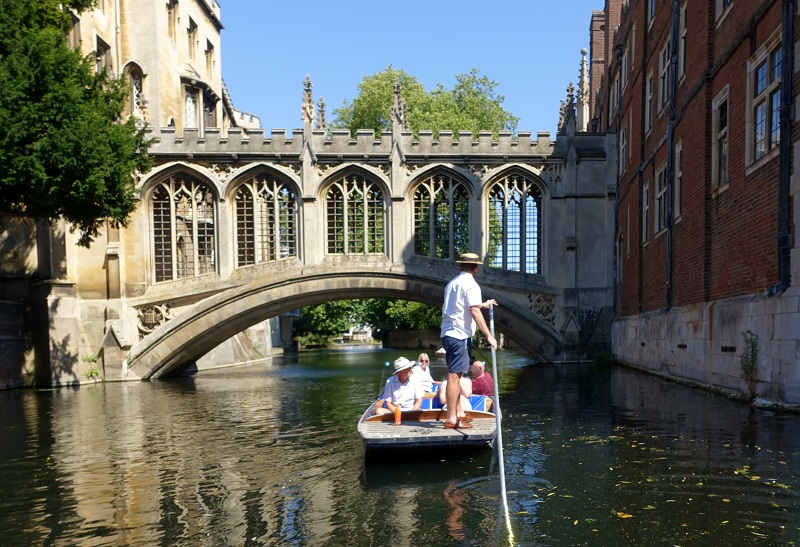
280, 143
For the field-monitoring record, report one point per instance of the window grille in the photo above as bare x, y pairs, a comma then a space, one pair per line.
184, 234
266, 221
515, 225
441, 217
356, 216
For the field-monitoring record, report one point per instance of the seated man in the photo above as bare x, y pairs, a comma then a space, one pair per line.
401, 390
422, 373
482, 382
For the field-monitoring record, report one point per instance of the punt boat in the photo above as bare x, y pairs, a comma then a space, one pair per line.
424, 429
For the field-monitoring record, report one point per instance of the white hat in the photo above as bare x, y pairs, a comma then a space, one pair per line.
402, 363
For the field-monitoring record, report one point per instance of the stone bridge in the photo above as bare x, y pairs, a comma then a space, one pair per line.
239, 228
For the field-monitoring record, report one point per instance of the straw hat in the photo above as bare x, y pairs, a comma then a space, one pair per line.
468, 258
402, 363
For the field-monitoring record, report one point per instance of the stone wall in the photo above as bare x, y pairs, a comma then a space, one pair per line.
705, 344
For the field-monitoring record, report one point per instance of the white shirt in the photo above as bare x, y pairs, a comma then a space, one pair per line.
403, 394
460, 295
423, 376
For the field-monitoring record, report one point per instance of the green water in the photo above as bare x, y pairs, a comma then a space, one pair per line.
269, 455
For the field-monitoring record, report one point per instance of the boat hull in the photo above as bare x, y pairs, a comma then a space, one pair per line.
424, 429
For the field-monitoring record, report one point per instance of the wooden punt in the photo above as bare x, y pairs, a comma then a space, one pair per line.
424, 429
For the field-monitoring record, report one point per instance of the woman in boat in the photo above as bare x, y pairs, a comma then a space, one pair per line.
422, 373
401, 390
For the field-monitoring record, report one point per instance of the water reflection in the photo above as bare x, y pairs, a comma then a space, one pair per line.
269, 455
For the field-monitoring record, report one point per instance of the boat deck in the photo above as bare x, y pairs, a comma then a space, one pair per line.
425, 429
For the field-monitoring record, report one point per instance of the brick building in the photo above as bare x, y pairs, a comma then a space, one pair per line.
706, 241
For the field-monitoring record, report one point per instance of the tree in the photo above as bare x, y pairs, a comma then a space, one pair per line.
472, 105
387, 315
64, 153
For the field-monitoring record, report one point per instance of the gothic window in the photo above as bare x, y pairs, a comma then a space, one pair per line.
191, 109
356, 216
184, 236
136, 101
266, 221
441, 217
515, 222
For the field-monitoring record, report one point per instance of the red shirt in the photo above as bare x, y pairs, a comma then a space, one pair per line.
483, 385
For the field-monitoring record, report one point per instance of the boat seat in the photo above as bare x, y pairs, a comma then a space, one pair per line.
431, 403
478, 402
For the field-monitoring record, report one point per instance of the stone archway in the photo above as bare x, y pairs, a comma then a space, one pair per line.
184, 339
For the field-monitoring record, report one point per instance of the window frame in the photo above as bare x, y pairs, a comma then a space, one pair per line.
768, 97
660, 210
664, 62
720, 177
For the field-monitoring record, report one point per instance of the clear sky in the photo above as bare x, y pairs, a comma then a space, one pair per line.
531, 48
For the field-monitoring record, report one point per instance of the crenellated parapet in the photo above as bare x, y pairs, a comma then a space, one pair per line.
255, 143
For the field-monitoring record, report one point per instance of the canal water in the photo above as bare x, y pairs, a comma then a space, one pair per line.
269, 455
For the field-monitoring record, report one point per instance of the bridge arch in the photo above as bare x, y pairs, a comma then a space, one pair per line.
181, 341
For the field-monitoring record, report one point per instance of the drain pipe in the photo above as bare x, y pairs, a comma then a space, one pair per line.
670, 174
614, 271
785, 165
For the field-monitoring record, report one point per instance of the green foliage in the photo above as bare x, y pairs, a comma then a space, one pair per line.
64, 153
93, 374
381, 315
330, 318
312, 340
749, 357
471, 105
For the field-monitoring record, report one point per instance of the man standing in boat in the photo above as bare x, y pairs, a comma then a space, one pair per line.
461, 313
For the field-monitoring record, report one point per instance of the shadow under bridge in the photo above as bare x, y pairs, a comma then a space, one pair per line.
177, 344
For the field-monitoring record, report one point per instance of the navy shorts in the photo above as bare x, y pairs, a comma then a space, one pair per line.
458, 354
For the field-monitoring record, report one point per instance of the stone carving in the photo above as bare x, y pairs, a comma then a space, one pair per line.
413, 167
544, 305
551, 172
293, 167
399, 108
385, 168
149, 318
307, 110
322, 122
479, 170
323, 168
222, 171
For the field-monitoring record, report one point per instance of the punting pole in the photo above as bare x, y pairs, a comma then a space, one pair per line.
497, 418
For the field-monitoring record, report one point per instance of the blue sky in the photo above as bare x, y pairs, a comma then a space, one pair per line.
530, 47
